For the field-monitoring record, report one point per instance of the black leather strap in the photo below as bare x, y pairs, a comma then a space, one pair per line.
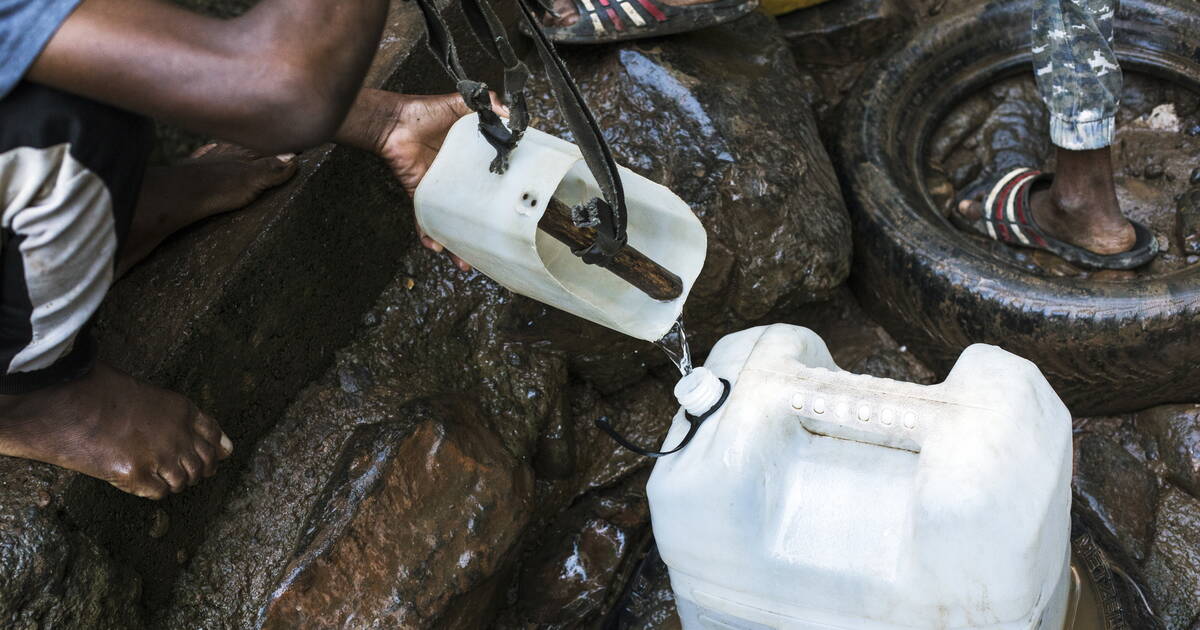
694, 421
610, 211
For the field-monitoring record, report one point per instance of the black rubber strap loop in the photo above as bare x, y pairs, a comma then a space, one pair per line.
694, 421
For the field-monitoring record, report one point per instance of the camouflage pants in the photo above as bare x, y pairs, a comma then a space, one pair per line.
1077, 72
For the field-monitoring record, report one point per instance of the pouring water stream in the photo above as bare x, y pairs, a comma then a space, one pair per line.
675, 344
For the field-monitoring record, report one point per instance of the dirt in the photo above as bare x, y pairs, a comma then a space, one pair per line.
1155, 153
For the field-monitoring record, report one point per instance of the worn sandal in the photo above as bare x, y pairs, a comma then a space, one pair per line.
604, 21
1008, 218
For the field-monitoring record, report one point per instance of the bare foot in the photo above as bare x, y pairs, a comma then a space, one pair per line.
1080, 207
144, 440
566, 13
217, 178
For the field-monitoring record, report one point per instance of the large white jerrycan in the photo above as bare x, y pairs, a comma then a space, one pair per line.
819, 499
490, 221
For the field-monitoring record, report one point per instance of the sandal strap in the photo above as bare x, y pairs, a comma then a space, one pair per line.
653, 10
1007, 211
611, 13
635, 17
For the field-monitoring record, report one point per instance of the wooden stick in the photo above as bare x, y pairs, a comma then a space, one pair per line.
629, 264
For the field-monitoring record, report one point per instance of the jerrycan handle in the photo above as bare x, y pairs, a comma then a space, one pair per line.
848, 406
610, 212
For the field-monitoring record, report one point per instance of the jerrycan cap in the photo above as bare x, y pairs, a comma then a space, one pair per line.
699, 391
704, 394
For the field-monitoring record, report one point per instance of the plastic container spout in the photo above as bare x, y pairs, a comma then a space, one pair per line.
699, 391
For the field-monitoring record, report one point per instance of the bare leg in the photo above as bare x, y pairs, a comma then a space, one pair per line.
142, 439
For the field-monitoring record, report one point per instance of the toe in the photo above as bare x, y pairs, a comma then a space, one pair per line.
174, 476
970, 209
203, 151
208, 457
153, 488
193, 466
225, 151
270, 172
208, 429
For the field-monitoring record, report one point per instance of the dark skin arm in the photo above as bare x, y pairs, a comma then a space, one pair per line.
280, 78
284, 77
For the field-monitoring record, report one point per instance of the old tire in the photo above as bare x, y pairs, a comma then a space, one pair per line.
1105, 347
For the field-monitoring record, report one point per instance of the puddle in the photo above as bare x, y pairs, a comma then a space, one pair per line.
1155, 154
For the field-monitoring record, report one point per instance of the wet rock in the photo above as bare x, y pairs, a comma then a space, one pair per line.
1172, 570
1116, 494
407, 524
51, 574
651, 602
1176, 431
718, 117
894, 364
837, 33
642, 414
583, 558
448, 337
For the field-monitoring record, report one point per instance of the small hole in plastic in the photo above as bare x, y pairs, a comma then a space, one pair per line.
525, 196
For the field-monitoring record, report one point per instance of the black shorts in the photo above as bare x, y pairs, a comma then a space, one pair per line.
70, 173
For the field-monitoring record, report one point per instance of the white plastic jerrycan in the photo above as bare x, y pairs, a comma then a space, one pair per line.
490, 221
819, 499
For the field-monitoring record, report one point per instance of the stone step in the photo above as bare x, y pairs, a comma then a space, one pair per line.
239, 313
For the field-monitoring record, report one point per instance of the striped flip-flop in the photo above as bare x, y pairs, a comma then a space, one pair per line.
1008, 218
604, 21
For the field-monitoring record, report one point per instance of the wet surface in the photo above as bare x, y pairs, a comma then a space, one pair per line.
1131, 488
444, 471
1155, 154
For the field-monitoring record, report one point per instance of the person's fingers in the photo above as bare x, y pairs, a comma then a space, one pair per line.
426, 241
498, 106
457, 105
460, 263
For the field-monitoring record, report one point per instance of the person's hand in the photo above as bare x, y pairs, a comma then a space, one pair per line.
407, 132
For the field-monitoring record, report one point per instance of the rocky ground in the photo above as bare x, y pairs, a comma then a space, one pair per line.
441, 467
